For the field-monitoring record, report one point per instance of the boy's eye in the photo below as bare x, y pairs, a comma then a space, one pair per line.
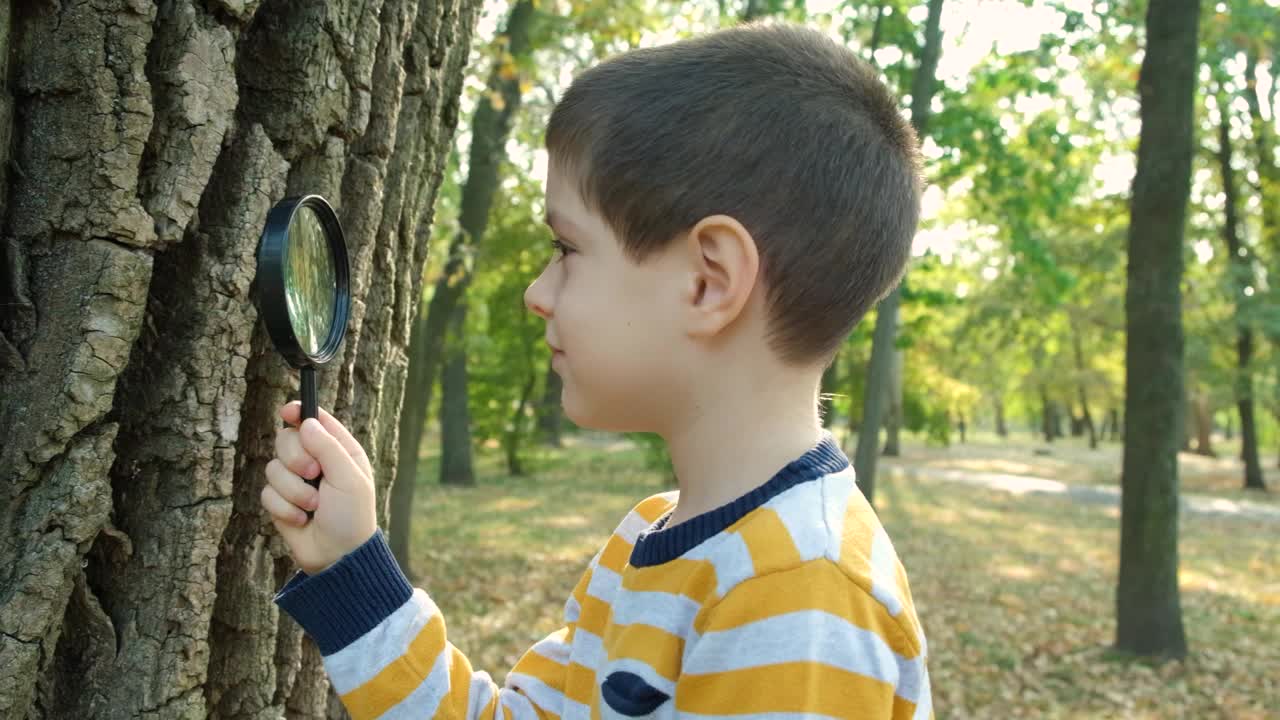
560, 248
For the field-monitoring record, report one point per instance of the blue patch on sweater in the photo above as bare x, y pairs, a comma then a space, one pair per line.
629, 694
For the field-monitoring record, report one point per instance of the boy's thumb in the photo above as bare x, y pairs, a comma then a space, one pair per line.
340, 470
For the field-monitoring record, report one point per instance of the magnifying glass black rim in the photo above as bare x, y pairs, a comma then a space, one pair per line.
273, 303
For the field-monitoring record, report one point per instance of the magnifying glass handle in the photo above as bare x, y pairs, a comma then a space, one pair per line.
309, 410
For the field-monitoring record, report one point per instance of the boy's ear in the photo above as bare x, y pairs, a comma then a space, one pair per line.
725, 263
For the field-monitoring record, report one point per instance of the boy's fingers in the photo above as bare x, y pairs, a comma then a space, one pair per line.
281, 510
291, 487
292, 413
289, 451
340, 470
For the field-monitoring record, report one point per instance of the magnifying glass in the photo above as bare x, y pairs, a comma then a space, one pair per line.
301, 288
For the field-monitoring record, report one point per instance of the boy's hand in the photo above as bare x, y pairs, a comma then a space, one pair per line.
345, 513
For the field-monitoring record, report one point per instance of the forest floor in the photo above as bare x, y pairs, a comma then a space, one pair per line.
1016, 591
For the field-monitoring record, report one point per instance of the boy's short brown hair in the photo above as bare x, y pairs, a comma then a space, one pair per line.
775, 125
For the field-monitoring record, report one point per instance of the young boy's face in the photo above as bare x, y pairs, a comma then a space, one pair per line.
613, 325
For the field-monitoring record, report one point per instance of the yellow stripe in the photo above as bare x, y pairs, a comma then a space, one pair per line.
455, 703
616, 554
769, 541
401, 676
491, 707
653, 646
595, 615
579, 684
652, 508
858, 531
815, 585
541, 667
692, 578
785, 687
903, 708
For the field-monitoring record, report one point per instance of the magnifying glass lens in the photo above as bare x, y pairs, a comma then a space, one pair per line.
310, 281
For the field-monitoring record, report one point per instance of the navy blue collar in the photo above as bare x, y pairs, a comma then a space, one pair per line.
660, 543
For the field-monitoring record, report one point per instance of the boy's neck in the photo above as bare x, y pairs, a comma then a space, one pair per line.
732, 441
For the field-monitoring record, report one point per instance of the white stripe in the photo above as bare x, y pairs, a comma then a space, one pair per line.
729, 555
542, 694
519, 705
911, 678
552, 649
884, 576
425, 698
482, 691
359, 662
924, 705
572, 609
604, 584
836, 490
663, 610
588, 649
808, 635
800, 510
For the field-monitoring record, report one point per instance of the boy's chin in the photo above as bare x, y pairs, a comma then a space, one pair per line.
600, 418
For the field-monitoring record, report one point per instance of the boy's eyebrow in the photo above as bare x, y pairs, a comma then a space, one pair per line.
555, 222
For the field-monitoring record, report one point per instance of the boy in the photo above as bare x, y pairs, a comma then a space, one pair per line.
725, 209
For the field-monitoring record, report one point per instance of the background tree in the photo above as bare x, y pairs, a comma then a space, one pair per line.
1149, 612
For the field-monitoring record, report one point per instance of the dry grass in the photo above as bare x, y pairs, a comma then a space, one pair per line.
1016, 593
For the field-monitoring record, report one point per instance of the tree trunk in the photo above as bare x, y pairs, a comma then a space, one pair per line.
1264, 138
513, 434
1241, 269
1081, 368
1204, 423
827, 388
893, 421
550, 414
1148, 605
455, 417
884, 338
490, 126
139, 394
1047, 421
1001, 428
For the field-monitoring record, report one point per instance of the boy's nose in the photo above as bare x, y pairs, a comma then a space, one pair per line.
535, 298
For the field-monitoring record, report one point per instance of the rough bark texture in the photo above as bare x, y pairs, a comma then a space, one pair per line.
1148, 605
884, 340
139, 395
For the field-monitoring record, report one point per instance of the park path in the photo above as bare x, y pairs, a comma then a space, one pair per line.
1192, 504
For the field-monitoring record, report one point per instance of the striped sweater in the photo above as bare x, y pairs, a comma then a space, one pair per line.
788, 602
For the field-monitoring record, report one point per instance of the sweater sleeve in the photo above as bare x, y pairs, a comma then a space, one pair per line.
387, 654
805, 640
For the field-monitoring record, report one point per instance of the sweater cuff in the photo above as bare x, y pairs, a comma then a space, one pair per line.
349, 598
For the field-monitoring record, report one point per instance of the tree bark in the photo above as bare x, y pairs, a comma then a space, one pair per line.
884, 338
1001, 428
139, 394
1148, 605
490, 126
1242, 278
